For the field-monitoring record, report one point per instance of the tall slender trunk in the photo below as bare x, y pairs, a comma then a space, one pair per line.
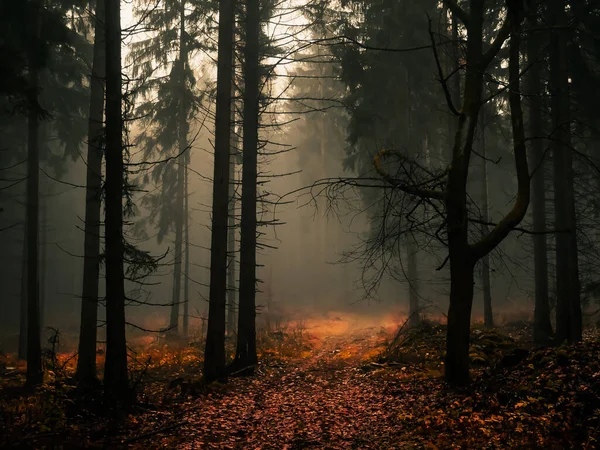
414, 318
214, 355
488, 317
414, 313
542, 328
231, 288
115, 368
179, 205
568, 304
43, 259
186, 239
23, 299
234, 156
86, 362
34, 356
246, 339
454, 84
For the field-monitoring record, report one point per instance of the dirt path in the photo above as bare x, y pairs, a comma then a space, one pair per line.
324, 401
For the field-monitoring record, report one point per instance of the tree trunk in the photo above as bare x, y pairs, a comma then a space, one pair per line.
186, 238
414, 318
414, 313
23, 300
463, 255
459, 320
43, 259
234, 155
115, 368
542, 328
214, 355
246, 339
179, 206
568, 304
231, 290
86, 362
34, 352
488, 317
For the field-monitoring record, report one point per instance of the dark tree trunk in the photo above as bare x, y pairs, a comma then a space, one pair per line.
459, 320
246, 339
181, 170
414, 310
568, 304
43, 258
214, 355
488, 316
463, 255
231, 288
186, 239
23, 300
414, 317
34, 352
86, 363
542, 327
115, 368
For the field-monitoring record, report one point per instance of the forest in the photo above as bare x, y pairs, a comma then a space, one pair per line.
300, 224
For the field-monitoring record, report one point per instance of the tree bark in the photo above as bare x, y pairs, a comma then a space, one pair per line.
568, 303
488, 316
459, 321
231, 288
245, 356
23, 300
234, 157
115, 368
34, 352
414, 313
542, 328
186, 238
43, 259
86, 362
214, 356
463, 255
179, 205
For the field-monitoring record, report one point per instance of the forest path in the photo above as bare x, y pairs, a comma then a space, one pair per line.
329, 399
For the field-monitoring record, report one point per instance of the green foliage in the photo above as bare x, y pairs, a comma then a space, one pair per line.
63, 54
166, 89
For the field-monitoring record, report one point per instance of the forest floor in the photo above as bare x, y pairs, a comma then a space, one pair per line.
335, 383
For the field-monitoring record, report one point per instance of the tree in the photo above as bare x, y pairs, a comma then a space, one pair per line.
246, 357
385, 113
214, 355
116, 381
542, 328
178, 26
34, 352
568, 303
423, 186
86, 362
462, 255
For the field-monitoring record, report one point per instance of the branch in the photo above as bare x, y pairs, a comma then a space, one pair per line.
516, 214
412, 190
495, 47
457, 11
443, 80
